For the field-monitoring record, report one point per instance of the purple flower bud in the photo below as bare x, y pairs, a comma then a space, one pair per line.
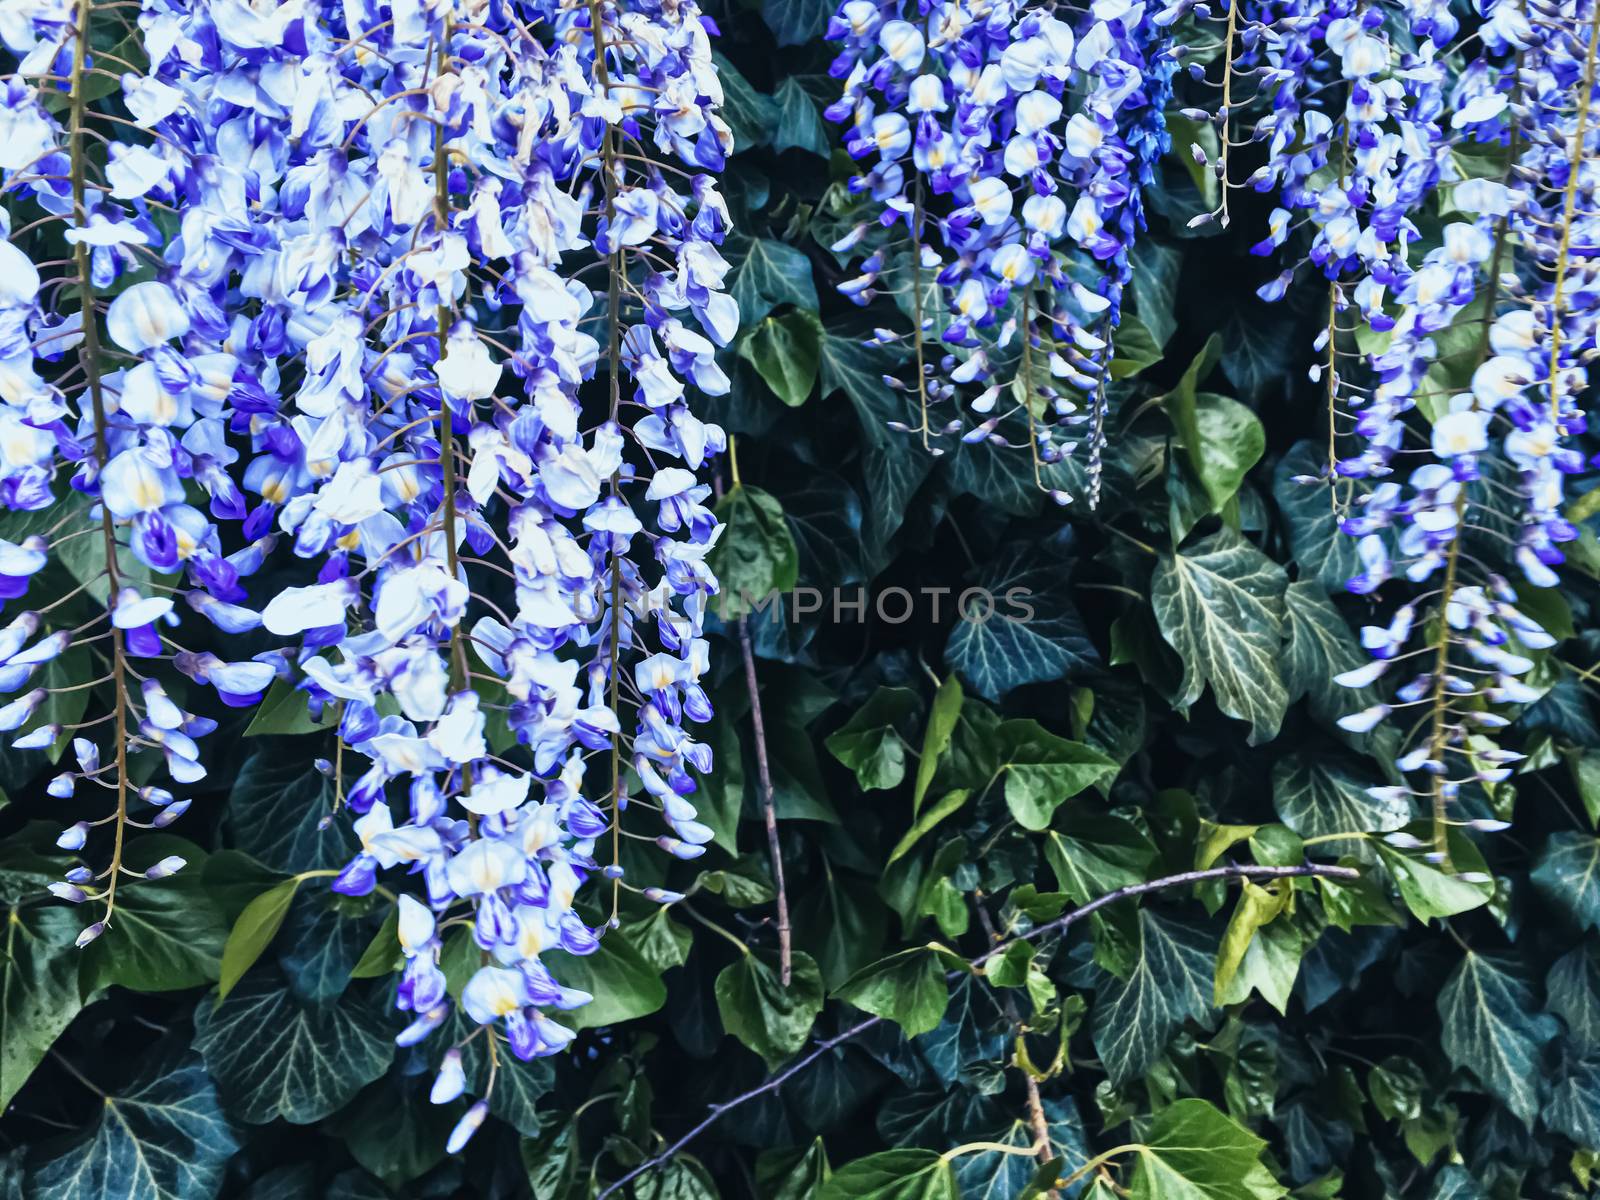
422, 1026
169, 865
41, 738
469, 1124
15, 714
170, 813
451, 1080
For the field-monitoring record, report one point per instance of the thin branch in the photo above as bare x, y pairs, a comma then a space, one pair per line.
1318, 870
768, 810
1038, 1124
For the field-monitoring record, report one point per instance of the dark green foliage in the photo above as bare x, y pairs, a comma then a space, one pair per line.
941, 782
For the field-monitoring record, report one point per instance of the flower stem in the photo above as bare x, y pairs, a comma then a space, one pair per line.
616, 267
916, 304
1569, 201
447, 458
91, 369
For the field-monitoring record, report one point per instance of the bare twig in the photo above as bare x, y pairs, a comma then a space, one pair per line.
1319, 870
1037, 1122
1038, 1125
769, 813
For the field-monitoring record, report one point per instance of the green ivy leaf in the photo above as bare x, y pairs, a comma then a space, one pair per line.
894, 1175
951, 802
166, 934
1455, 1182
1093, 854
842, 924
1567, 875
1030, 631
1574, 1105
276, 808
1042, 771
937, 896
38, 989
1586, 773
1397, 1085
1259, 952
623, 984
870, 742
30, 863
1256, 344
286, 710
750, 116
393, 1131
1317, 796
786, 352
382, 954
756, 1007
1154, 285
1171, 982
825, 516
1186, 134
991, 1175
321, 944
799, 125
744, 885
1232, 441
1000, 478
1220, 606
855, 366
1135, 348
755, 556
233, 879
795, 22
793, 1174
1429, 890
907, 988
683, 1178
767, 273
85, 557
253, 932
1322, 645
1572, 992
1492, 1027
722, 796
1222, 439
661, 941
942, 718
893, 468
68, 699
1193, 1152
273, 1055
162, 1138
1322, 552
551, 1162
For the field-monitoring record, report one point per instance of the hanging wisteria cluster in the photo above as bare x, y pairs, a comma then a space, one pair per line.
1005, 151
402, 305
1019, 216
1465, 502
